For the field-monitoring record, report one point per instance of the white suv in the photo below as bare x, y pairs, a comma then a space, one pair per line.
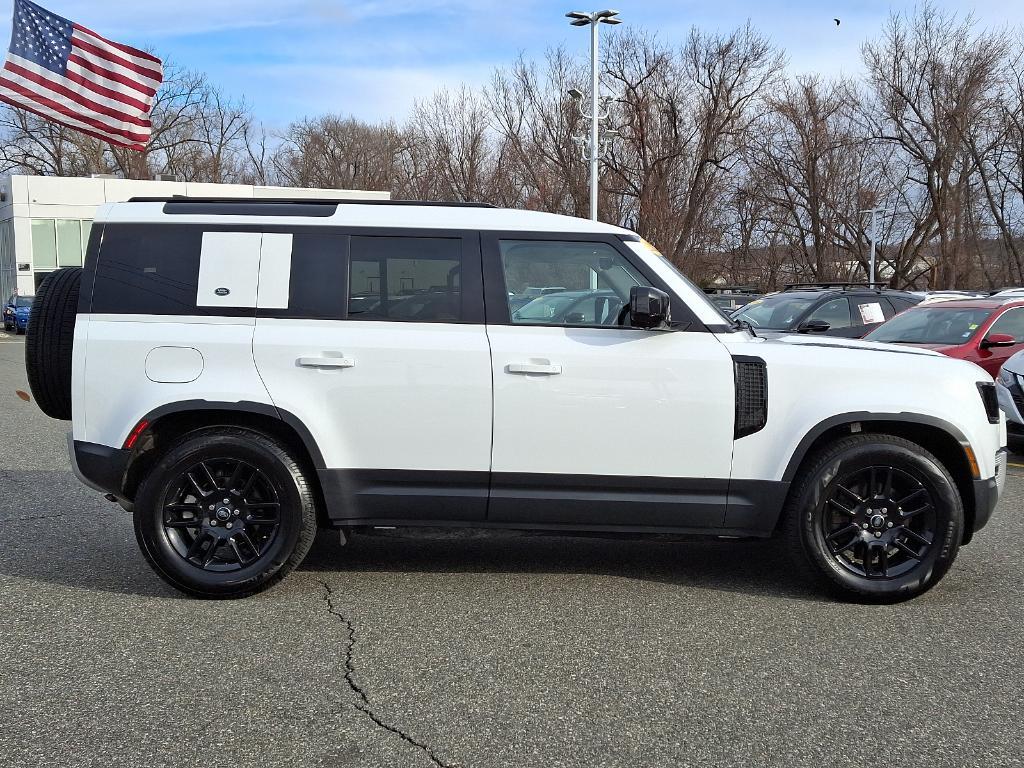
239, 373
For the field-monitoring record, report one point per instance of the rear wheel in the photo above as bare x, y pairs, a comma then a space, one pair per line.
875, 518
225, 513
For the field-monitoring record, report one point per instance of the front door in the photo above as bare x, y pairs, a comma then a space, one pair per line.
376, 345
596, 423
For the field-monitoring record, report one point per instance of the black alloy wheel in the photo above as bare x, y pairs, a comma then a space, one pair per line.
874, 518
879, 522
225, 512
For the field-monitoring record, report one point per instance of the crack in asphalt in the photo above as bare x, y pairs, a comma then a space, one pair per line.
363, 704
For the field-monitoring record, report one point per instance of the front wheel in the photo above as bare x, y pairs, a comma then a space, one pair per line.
225, 513
875, 517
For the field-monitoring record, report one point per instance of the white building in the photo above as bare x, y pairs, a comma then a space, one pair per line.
45, 220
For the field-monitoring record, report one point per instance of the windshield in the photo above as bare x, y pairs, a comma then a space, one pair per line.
778, 312
932, 325
23, 301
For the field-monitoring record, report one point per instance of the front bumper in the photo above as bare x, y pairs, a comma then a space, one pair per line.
100, 467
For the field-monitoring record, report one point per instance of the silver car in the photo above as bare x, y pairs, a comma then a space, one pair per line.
1010, 389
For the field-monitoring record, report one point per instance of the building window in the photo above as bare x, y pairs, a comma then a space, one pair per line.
69, 243
44, 244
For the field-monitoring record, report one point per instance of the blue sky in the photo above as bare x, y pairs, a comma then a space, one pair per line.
373, 59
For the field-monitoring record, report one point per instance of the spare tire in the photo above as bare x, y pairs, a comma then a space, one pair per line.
50, 339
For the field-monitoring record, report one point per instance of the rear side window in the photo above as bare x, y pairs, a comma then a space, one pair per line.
318, 277
899, 303
147, 270
871, 311
409, 279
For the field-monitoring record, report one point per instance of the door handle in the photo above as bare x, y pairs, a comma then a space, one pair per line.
546, 370
326, 362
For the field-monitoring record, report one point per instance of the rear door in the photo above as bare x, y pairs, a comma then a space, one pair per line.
376, 345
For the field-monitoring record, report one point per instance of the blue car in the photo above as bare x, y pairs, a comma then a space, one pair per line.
16, 312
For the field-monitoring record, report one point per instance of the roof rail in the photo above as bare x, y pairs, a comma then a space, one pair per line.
839, 284
303, 200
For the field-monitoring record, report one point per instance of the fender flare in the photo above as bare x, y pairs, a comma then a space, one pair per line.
244, 406
853, 417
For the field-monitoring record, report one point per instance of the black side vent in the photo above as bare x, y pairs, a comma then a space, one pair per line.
990, 399
751, 395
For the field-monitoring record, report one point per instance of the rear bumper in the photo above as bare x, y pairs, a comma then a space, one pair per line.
987, 493
100, 467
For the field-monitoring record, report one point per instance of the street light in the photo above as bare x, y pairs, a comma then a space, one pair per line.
593, 20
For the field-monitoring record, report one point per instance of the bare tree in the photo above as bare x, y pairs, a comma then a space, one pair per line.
931, 76
686, 117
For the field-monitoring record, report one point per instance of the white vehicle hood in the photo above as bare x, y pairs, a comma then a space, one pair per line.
843, 343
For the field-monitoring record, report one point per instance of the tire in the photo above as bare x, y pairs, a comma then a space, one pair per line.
206, 559
50, 341
913, 513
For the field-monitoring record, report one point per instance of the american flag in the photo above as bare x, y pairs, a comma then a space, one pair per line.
69, 74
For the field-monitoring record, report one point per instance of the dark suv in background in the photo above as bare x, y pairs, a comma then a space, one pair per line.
833, 309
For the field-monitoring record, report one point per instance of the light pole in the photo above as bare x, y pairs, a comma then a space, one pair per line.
581, 19
873, 234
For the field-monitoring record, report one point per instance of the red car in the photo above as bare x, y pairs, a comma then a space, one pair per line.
984, 331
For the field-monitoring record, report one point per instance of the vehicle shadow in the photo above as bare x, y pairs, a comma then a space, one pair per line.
69, 536
749, 567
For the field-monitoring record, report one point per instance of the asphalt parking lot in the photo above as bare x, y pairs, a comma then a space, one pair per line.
477, 650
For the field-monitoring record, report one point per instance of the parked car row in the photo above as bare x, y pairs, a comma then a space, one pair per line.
834, 309
15, 313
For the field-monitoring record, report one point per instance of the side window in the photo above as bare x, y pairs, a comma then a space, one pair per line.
412, 279
870, 312
148, 270
887, 308
901, 304
316, 289
1011, 323
835, 312
554, 282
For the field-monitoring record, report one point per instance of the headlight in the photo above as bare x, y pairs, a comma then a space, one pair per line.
1007, 378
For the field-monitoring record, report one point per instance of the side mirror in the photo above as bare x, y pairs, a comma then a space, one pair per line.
649, 308
575, 318
813, 326
998, 340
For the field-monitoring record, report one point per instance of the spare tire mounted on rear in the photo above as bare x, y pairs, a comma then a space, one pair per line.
50, 340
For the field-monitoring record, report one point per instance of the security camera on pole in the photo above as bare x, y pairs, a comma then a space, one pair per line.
581, 19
